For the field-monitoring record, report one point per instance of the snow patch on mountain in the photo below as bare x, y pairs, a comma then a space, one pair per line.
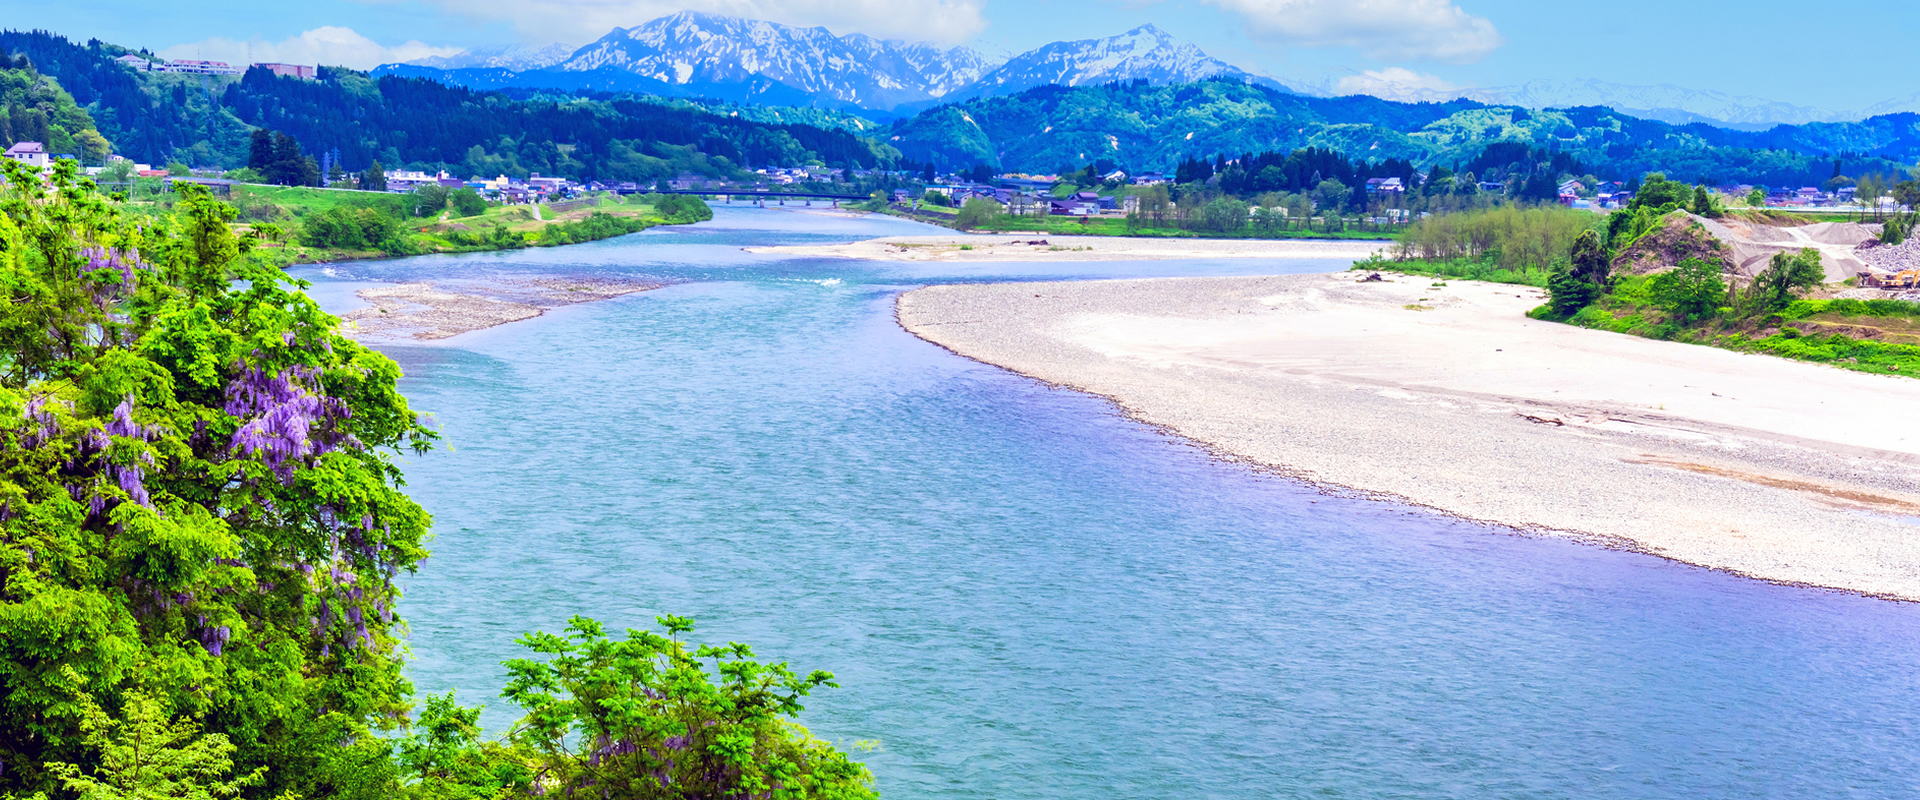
696, 48
514, 57
1144, 53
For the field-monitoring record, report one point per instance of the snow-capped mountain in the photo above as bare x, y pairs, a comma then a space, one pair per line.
1145, 53
513, 57
693, 49
696, 54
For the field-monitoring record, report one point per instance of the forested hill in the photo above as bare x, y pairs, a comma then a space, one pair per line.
201, 120
1144, 127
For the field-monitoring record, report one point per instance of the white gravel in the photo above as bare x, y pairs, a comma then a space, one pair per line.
1448, 397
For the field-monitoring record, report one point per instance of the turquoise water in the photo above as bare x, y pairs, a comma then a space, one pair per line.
1027, 596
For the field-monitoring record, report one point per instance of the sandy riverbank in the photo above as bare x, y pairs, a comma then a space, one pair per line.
1043, 247
1448, 397
439, 311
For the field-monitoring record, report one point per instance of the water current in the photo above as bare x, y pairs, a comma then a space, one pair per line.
1026, 595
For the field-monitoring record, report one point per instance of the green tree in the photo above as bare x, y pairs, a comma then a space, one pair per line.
260, 156
642, 717
373, 178
1585, 277
1224, 215
428, 200
1330, 196
1775, 287
145, 756
466, 202
1691, 290
1757, 198
975, 212
202, 495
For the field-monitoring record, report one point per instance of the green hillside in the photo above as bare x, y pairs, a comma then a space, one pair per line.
34, 108
1142, 127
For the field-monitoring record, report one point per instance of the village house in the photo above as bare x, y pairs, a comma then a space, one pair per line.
134, 62
1386, 186
196, 67
32, 154
292, 71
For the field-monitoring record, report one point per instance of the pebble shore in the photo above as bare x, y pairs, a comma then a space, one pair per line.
1447, 396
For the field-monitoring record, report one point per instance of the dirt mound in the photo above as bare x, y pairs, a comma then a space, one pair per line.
1678, 237
1745, 247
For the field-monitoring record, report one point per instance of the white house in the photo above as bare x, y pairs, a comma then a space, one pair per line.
135, 62
32, 154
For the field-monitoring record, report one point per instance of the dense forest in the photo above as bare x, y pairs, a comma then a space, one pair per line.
1144, 127
403, 122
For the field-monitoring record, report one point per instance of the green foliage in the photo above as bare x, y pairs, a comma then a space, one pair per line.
356, 228
199, 498
445, 758
1224, 215
1691, 290
1757, 198
1513, 238
428, 200
643, 717
146, 756
1898, 228
976, 212
679, 208
34, 108
1773, 289
466, 203
1586, 276
596, 226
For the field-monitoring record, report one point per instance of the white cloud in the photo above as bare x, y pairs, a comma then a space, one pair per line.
1399, 83
1387, 29
331, 46
940, 21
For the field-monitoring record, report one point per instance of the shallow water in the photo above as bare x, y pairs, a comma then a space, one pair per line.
1027, 596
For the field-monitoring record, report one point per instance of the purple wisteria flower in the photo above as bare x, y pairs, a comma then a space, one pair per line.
288, 418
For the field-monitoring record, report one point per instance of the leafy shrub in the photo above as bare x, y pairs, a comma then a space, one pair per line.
355, 228
642, 717
466, 203
1692, 290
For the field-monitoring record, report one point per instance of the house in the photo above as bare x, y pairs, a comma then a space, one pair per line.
1149, 179
1131, 204
1116, 176
1574, 188
1386, 186
300, 71
32, 154
134, 62
1492, 186
197, 67
1025, 205
1809, 194
404, 180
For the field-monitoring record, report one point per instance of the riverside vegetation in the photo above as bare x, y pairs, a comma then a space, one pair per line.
1572, 254
202, 518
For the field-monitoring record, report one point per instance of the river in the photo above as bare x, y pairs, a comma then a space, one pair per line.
1025, 595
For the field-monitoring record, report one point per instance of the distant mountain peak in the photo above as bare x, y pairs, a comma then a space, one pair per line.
1143, 53
693, 48
514, 57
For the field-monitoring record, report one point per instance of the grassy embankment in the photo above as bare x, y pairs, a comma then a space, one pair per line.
1881, 336
1527, 247
297, 213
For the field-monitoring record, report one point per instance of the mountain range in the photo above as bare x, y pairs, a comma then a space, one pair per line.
692, 54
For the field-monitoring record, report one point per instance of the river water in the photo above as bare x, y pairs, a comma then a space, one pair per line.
1025, 595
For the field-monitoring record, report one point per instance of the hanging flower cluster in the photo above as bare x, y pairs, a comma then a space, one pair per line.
288, 418
125, 264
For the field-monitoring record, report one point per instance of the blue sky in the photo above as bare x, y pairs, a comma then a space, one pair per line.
1836, 54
